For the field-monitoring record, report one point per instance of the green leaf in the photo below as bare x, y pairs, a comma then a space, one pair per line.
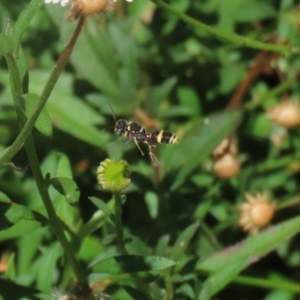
228, 83
152, 201
43, 123
158, 94
162, 245
134, 293
199, 145
138, 246
188, 98
23, 70
183, 241
252, 248
11, 268
45, 265
127, 53
13, 213
132, 264
67, 187
101, 205
29, 247
19, 229
4, 198
221, 278
90, 248
63, 166
100, 64
6, 44
69, 113
259, 126
97, 220
58, 164
253, 11
204, 293
178, 111
23, 22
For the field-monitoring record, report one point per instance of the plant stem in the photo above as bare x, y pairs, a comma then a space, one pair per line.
118, 223
280, 162
53, 219
267, 284
288, 203
121, 247
169, 294
272, 93
60, 65
264, 283
26, 137
230, 37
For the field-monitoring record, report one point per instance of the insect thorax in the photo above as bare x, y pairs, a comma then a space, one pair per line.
135, 127
136, 131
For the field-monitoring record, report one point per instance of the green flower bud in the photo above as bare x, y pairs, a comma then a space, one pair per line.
113, 176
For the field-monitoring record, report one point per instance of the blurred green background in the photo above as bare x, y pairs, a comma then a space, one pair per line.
154, 68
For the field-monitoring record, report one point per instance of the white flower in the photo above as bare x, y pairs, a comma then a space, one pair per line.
62, 2
66, 2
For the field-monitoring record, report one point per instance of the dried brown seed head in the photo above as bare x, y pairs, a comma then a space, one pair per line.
256, 213
286, 114
227, 166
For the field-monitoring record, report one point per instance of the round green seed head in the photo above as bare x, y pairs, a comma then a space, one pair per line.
113, 176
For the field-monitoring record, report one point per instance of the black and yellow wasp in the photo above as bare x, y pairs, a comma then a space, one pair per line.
136, 132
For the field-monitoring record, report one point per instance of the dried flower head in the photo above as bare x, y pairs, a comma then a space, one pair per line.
227, 146
286, 114
113, 176
227, 166
86, 7
256, 212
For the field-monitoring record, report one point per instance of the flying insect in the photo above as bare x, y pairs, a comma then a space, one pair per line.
136, 132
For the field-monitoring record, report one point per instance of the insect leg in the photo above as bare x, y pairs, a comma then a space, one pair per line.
152, 155
137, 144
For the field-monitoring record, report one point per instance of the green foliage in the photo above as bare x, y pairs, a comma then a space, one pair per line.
43, 122
131, 264
161, 229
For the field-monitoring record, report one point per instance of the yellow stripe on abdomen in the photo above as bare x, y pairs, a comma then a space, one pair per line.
160, 136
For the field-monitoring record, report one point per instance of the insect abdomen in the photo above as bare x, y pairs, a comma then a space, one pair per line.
164, 137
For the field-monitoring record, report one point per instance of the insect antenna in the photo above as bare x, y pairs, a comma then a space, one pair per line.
114, 116
113, 112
